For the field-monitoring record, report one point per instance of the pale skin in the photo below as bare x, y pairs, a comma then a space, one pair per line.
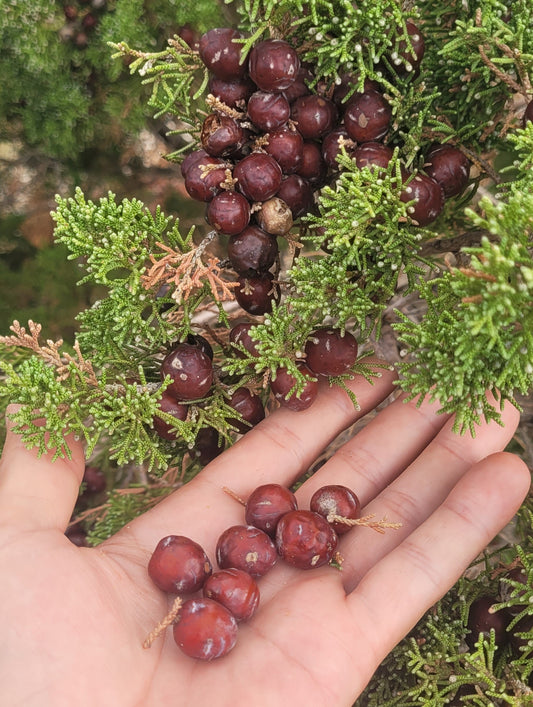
74, 619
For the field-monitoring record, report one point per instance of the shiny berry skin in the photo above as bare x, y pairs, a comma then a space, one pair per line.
221, 54
191, 159
169, 404
94, 480
252, 249
286, 147
410, 60
273, 65
449, 167
268, 111
297, 193
229, 212
481, 620
338, 500
274, 217
367, 116
246, 548
179, 565
255, 293
313, 168
347, 86
205, 629
191, 371
428, 196
528, 114
249, 406
285, 381
236, 590
314, 115
371, 154
221, 135
207, 445
267, 504
204, 177
231, 92
331, 146
258, 176
299, 87
329, 353
240, 334
202, 343
305, 539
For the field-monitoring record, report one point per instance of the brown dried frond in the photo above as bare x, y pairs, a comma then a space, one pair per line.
186, 272
49, 352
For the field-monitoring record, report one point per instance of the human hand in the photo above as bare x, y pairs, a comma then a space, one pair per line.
74, 619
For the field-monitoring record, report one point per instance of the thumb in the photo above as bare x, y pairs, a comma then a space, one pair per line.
37, 493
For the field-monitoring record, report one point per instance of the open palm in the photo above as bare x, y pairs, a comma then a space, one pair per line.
74, 619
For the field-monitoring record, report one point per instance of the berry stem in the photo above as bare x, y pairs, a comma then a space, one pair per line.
235, 496
164, 623
377, 525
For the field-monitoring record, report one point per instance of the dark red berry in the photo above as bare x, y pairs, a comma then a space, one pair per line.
428, 196
305, 539
332, 146
312, 168
189, 36
240, 334
273, 65
285, 145
481, 620
252, 249
268, 111
207, 445
371, 154
367, 116
408, 60
528, 114
170, 405
330, 353
246, 548
336, 500
258, 176
204, 177
221, 135
191, 371
205, 629
249, 406
284, 382
231, 93
297, 193
267, 504
77, 535
236, 590
191, 159
221, 54
300, 86
274, 217
89, 22
449, 167
347, 86
202, 343
94, 480
255, 293
229, 212
179, 565
314, 116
